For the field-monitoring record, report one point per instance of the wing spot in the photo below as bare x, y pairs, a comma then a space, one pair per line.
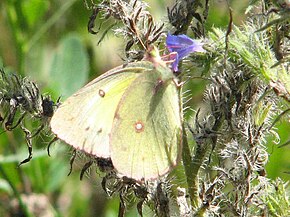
139, 127
87, 128
102, 93
100, 130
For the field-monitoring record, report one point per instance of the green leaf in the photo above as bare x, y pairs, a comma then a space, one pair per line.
5, 187
34, 10
70, 66
262, 113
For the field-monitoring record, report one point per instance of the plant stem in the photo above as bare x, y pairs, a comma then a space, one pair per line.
191, 6
190, 177
17, 35
44, 28
22, 206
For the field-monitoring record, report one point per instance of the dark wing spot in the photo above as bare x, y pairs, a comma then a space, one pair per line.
102, 93
87, 128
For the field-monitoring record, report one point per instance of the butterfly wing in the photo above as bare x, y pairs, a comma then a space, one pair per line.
146, 135
85, 119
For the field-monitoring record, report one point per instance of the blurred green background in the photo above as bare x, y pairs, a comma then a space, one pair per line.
48, 42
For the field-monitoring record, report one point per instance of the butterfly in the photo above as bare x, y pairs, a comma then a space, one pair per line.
131, 114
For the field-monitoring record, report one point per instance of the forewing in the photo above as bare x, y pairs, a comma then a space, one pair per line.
146, 134
85, 119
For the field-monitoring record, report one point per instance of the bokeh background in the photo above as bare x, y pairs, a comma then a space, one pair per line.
48, 42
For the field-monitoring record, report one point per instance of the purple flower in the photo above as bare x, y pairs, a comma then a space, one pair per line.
183, 46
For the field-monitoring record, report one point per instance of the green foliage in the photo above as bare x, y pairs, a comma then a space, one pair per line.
70, 59
277, 199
